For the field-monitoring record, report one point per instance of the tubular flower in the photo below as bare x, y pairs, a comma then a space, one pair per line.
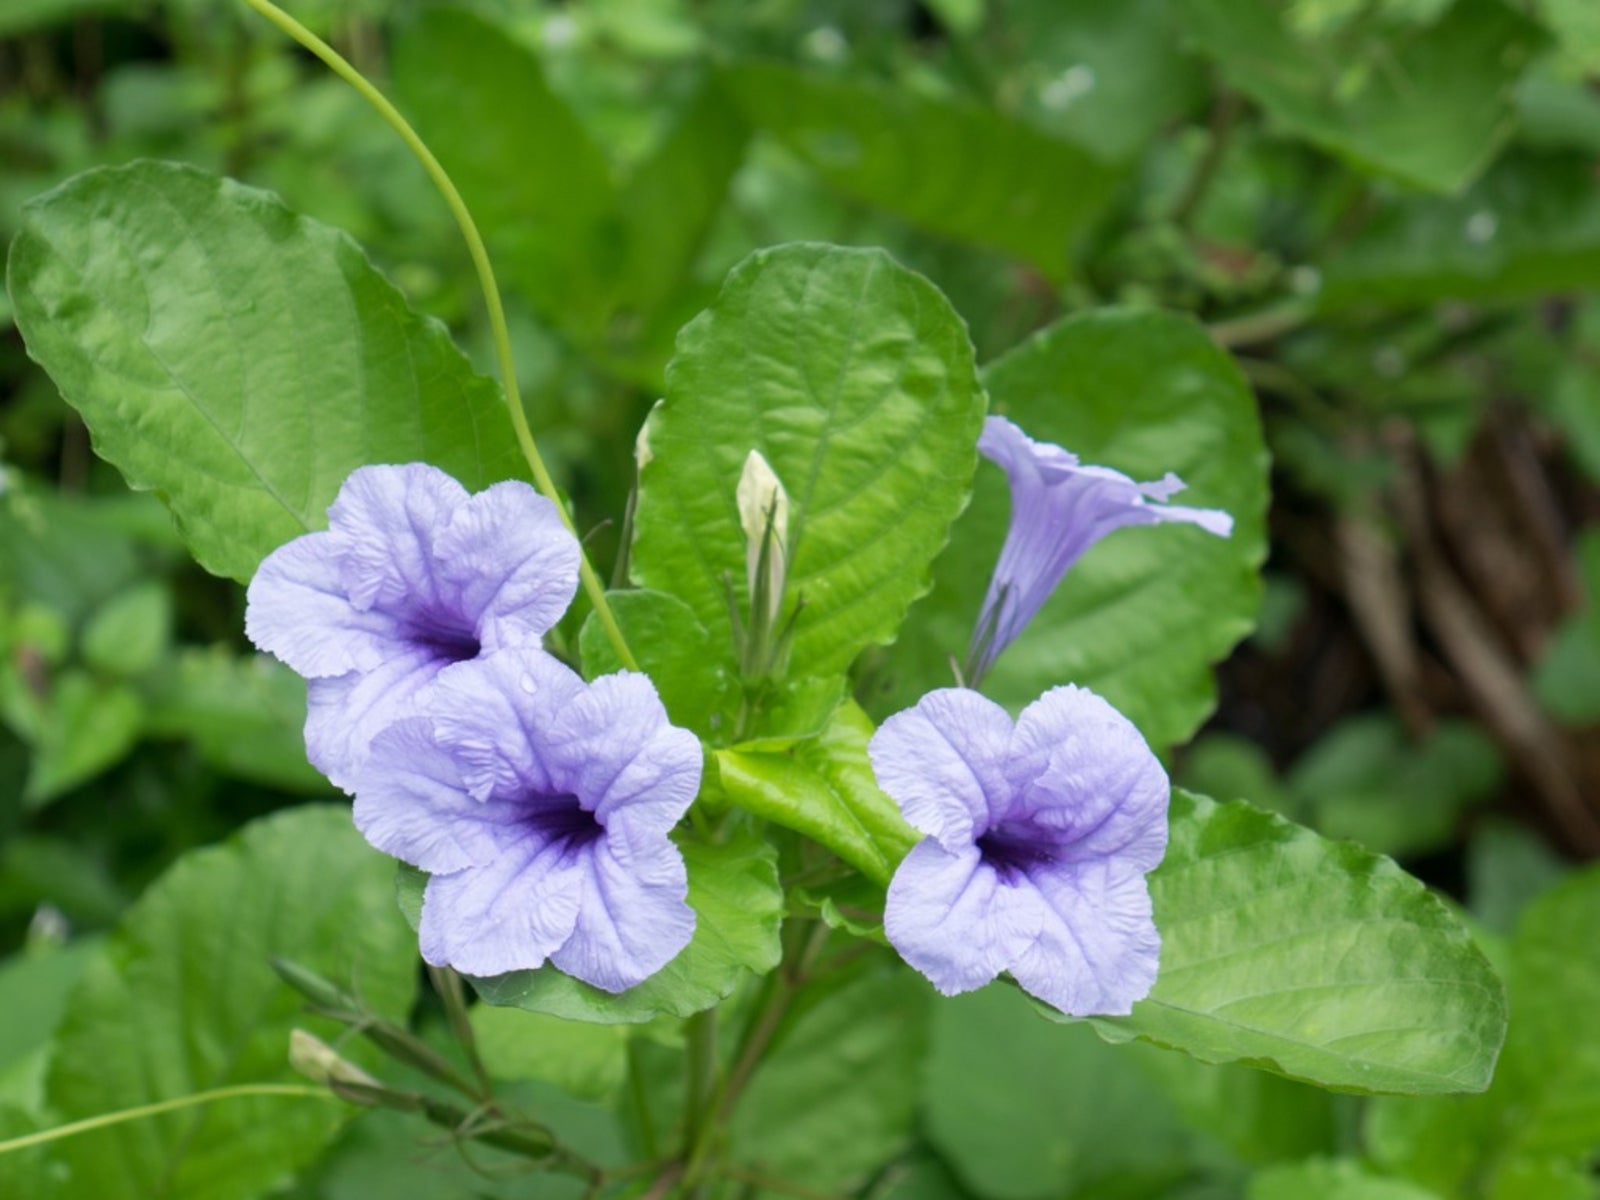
412, 577
1039, 836
1059, 508
540, 806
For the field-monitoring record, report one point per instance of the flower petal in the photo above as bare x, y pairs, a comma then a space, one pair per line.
410, 802
386, 520
296, 610
951, 917
509, 915
511, 563
614, 746
1082, 770
632, 920
943, 763
493, 714
1098, 950
345, 713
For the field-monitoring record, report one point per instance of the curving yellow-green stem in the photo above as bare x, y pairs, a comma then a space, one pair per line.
90, 1124
491, 294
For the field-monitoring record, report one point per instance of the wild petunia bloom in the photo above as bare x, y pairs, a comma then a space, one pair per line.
1039, 836
1059, 508
412, 576
540, 806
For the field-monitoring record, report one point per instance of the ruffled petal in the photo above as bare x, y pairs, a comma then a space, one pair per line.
614, 746
1082, 771
386, 521
297, 611
510, 915
943, 763
494, 713
510, 562
345, 713
1098, 950
633, 919
410, 802
952, 918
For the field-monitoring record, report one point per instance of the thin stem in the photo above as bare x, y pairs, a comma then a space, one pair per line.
104, 1120
491, 295
1224, 117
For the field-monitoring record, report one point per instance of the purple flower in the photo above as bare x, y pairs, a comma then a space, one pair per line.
541, 806
1039, 838
413, 576
1059, 509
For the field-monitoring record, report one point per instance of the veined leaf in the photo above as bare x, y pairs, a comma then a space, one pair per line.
236, 358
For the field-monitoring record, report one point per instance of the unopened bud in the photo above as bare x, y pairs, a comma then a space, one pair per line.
321, 1063
764, 514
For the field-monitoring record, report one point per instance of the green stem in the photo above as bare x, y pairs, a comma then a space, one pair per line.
89, 1124
491, 295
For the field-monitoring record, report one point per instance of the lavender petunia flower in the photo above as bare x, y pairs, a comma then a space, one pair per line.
412, 576
541, 806
1039, 838
1059, 508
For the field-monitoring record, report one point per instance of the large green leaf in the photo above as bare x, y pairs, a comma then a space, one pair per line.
1023, 1109
738, 905
238, 359
824, 788
1429, 104
854, 378
1544, 1106
835, 1097
184, 999
534, 179
1531, 225
946, 165
1143, 616
1314, 959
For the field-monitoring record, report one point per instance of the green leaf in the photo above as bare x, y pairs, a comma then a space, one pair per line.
535, 181
672, 647
854, 378
1105, 76
582, 1059
824, 788
245, 716
1566, 679
1530, 226
1508, 865
85, 726
1574, 403
1331, 1179
129, 634
184, 1000
1426, 104
1021, 1108
1367, 781
949, 166
26, 16
1312, 959
738, 905
1143, 616
841, 1074
237, 358
1545, 1102
1577, 24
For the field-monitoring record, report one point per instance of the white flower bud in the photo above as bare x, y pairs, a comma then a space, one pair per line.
764, 514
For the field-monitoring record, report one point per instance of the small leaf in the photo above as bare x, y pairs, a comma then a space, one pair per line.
824, 788
236, 358
1313, 959
129, 634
